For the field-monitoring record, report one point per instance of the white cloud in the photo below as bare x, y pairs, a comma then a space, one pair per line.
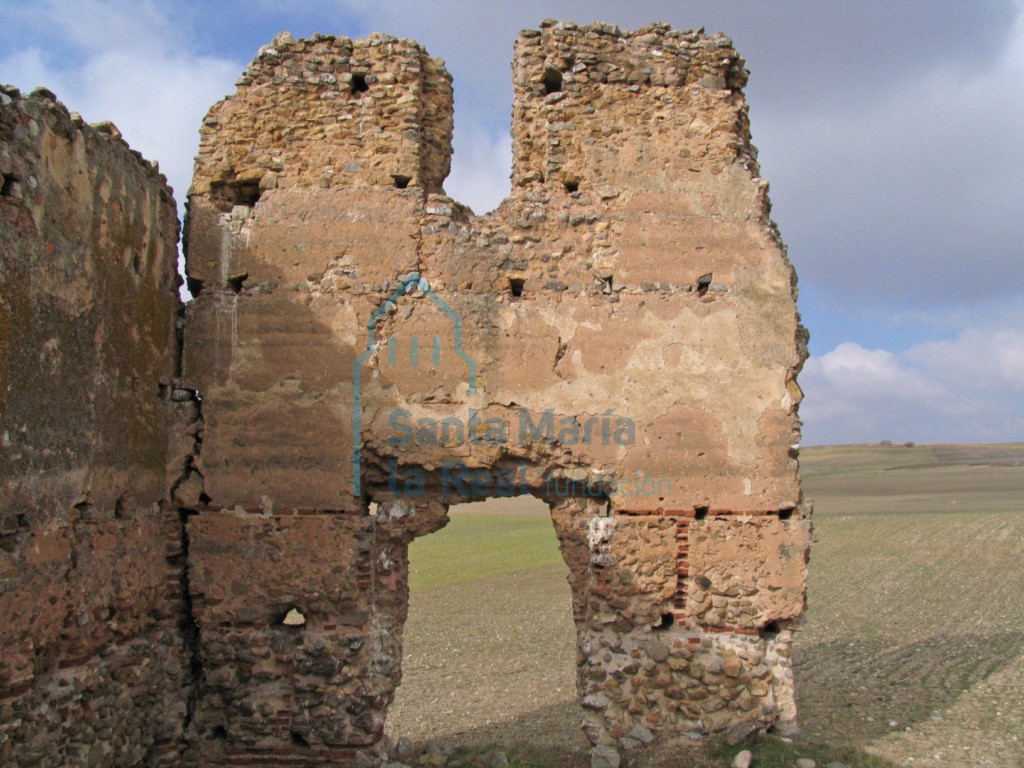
111, 63
866, 371
26, 69
480, 177
986, 360
95, 25
968, 389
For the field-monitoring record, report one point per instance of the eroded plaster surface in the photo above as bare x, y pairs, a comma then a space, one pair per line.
206, 518
619, 338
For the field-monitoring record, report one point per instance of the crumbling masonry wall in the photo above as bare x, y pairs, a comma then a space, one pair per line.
619, 338
204, 529
94, 664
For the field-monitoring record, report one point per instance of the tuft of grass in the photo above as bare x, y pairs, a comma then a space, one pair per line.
773, 752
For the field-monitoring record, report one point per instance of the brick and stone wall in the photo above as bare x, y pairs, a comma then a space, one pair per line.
619, 338
94, 663
204, 528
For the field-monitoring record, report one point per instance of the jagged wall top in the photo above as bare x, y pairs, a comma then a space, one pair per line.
586, 96
395, 126
42, 103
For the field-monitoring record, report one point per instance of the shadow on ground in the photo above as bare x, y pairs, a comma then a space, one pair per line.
550, 735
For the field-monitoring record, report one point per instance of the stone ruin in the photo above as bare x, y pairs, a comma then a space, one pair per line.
206, 511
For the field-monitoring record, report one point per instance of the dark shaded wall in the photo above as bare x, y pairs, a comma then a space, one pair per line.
94, 669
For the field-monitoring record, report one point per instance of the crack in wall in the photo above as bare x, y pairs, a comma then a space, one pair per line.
189, 625
191, 633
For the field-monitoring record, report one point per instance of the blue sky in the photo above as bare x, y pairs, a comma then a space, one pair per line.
892, 134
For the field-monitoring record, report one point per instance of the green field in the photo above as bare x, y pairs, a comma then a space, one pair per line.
913, 645
484, 542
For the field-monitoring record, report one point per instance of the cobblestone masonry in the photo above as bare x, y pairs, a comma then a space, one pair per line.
619, 338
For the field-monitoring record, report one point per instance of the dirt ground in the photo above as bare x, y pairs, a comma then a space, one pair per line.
913, 647
914, 643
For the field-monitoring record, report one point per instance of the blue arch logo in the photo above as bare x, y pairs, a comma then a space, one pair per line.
409, 284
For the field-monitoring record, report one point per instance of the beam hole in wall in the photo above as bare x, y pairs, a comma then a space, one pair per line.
786, 514
359, 84
571, 184
401, 182
663, 622
490, 637
7, 186
248, 193
237, 281
516, 286
700, 512
227, 193
769, 631
122, 505
552, 80
219, 733
298, 740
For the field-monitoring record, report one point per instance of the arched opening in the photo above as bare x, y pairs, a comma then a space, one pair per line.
489, 646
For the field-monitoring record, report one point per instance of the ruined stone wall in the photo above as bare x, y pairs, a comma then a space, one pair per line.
593, 103
276, 526
94, 668
619, 338
321, 113
195, 571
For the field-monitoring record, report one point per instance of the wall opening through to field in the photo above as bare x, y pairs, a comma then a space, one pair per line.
489, 649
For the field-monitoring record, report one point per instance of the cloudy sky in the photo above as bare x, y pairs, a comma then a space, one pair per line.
892, 133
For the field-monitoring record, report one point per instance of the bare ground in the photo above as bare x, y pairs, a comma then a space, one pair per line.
913, 647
